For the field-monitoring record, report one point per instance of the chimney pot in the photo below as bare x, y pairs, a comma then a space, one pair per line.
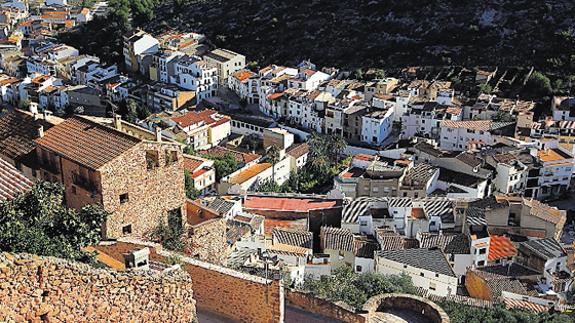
118, 121
158, 134
45, 114
41, 131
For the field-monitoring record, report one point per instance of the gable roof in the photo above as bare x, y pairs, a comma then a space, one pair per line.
336, 239
423, 258
499, 283
546, 248
448, 243
18, 130
12, 182
87, 142
298, 150
500, 247
365, 248
293, 237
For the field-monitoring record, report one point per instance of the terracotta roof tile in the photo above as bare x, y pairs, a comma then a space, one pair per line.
17, 133
87, 142
194, 117
249, 173
297, 151
286, 204
12, 182
192, 163
500, 247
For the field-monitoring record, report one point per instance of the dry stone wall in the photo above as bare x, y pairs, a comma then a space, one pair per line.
36, 288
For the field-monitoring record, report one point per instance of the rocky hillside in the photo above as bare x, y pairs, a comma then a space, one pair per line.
367, 33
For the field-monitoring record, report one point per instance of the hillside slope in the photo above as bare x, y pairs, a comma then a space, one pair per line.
363, 33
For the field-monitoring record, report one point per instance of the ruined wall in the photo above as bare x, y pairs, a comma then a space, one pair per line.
34, 288
239, 296
308, 302
207, 241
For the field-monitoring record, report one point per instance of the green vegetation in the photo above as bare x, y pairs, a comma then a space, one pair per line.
459, 313
37, 222
323, 164
132, 112
224, 165
539, 85
170, 235
191, 191
273, 156
355, 289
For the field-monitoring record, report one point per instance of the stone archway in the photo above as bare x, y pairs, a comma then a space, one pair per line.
403, 308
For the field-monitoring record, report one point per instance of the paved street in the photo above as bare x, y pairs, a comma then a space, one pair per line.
207, 317
295, 315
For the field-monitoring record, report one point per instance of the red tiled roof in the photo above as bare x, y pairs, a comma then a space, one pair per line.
500, 247
194, 117
12, 182
191, 163
286, 203
364, 157
275, 96
243, 75
353, 172
220, 122
199, 172
270, 224
298, 150
87, 142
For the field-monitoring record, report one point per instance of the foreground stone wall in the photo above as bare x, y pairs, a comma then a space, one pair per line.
308, 302
34, 288
236, 295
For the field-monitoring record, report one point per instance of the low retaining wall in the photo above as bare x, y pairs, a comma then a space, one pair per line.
310, 303
236, 295
427, 308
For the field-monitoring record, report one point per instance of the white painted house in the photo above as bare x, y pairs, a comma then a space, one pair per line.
428, 268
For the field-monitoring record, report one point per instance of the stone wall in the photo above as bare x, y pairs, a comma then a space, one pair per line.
207, 241
34, 289
236, 295
427, 308
152, 193
308, 302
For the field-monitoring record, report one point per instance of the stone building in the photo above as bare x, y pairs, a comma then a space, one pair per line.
134, 174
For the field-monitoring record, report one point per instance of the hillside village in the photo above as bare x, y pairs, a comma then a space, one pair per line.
281, 175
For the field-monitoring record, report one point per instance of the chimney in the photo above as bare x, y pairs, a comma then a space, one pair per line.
158, 134
40, 131
118, 121
33, 107
46, 114
36, 115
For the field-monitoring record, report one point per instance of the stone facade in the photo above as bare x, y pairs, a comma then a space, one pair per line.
309, 303
55, 290
207, 241
238, 296
138, 198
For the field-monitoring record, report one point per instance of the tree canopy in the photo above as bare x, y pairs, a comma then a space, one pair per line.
37, 222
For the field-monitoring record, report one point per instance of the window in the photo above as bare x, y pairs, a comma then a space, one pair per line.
152, 159
404, 266
127, 229
432, 286
482, 251
124, 198
171, 157
481, 263
358, 268
422, 274
436, 275
363, 223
